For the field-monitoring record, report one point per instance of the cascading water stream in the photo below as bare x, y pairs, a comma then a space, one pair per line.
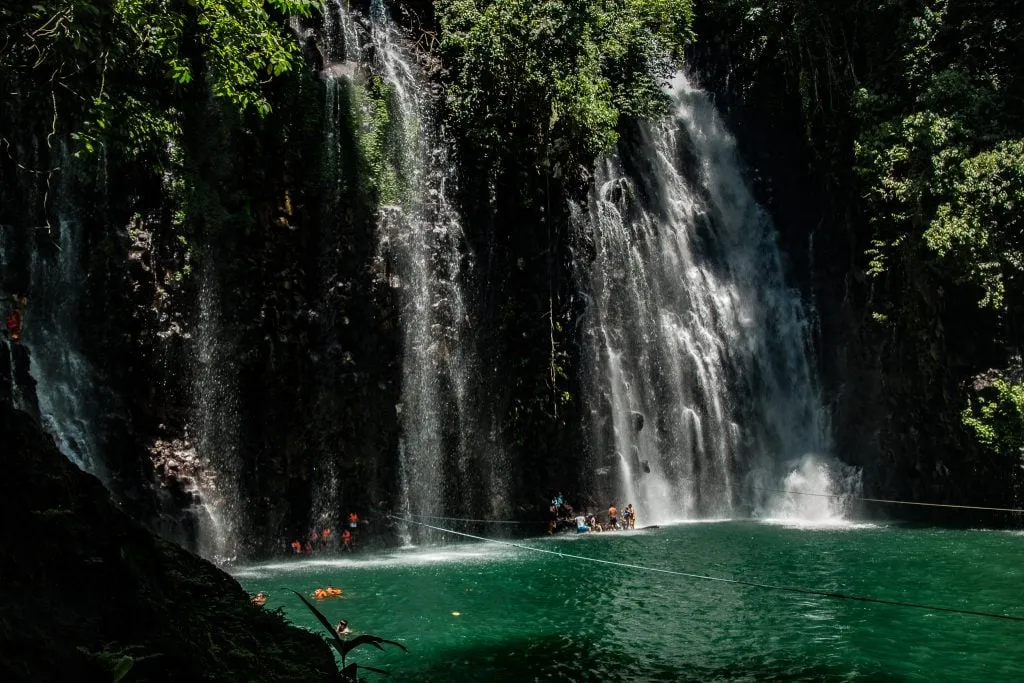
342, 55
64, 382
446, 464
213, 430
703, 397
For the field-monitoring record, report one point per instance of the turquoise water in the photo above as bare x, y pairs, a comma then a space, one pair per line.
525, 616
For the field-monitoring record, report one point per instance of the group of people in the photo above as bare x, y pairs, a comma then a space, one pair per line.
327, 539
560, 508
563, 517
586, 524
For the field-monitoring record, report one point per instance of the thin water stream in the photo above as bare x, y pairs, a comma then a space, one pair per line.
444, 465
65, 389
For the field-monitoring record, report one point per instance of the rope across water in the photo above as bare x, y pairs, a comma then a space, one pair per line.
893, 502
719, 579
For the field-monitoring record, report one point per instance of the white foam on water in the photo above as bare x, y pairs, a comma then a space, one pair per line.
709, 520
475, 552
822, 525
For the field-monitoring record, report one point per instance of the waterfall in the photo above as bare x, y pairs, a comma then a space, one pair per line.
447, 464
65, 385
342, 54
213, 430
702, 396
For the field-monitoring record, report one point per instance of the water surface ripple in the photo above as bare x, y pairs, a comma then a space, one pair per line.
527, 616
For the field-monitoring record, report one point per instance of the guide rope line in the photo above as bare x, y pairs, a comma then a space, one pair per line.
467, 519
894, 502
719, 579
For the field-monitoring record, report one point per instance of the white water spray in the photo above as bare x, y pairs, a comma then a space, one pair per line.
700, 384
214, 427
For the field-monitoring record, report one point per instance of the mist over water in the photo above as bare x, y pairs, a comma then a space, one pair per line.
702, 396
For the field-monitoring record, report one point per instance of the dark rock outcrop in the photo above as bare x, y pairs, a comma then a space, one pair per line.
84, 587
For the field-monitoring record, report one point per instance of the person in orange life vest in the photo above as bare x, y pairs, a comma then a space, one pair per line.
353, 521
346, 540
296, 546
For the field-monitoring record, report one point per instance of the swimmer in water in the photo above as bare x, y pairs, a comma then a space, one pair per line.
329, 592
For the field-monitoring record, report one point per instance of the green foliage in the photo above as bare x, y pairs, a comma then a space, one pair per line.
996, 418
549, 79
979, 231
123, 68
375, 119
233, 44
939, 154
116, 664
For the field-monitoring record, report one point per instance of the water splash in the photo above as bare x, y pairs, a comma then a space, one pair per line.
817, 492
324, 513
697, 351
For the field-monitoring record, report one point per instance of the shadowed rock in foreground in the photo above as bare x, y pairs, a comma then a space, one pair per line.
82, 587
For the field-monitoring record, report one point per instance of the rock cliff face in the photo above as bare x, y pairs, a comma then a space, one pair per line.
229, 301
84, 588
